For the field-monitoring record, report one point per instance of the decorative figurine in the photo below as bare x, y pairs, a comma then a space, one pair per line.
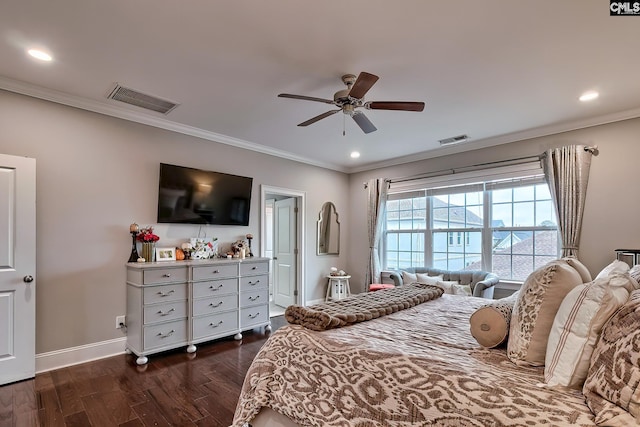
133, 229
249, 238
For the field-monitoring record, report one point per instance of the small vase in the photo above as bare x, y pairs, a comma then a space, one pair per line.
148, 251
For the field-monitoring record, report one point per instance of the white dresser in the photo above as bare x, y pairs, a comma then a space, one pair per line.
182, 303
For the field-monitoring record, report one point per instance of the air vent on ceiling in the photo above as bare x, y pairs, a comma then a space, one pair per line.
454, 140
139, 99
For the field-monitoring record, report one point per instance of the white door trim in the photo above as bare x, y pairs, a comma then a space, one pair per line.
301, 232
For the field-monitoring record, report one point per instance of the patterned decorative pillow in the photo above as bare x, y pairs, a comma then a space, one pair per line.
634, 272
536, 308
580, 268
577, 326
489, 324
612, 387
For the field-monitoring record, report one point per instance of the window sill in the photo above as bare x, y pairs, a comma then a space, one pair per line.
509, 284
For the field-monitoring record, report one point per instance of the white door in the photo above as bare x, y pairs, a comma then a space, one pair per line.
284, 252
17, 268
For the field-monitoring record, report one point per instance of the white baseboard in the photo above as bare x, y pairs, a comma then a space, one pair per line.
81, 354
315, 301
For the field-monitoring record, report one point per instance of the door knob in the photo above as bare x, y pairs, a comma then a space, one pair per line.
28, 279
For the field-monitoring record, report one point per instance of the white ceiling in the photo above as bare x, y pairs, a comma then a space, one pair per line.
497, 70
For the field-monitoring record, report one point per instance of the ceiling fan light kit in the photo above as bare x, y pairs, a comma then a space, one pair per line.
350, 99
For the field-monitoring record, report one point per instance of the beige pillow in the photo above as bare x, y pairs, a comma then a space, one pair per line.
428, 280
408, 278
612, 387
489, 324
534, 311
577, 326
616, 266
580, 268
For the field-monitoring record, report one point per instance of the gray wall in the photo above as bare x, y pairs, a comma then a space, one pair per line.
96, 175
612, 203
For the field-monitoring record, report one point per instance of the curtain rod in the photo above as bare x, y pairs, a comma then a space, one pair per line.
480, 166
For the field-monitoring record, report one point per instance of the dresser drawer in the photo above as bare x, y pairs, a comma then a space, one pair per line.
165, 334
259, 296
175, 292
253, 268
254, 282
253, 316
165, 275
217, 324
215, 271
163, 312
215, 287
215, 304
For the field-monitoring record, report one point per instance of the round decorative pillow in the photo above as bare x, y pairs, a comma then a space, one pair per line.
490, 323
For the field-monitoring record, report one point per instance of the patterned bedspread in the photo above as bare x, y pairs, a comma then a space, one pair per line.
415, 367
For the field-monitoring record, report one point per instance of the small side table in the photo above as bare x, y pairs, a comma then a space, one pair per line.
338, 288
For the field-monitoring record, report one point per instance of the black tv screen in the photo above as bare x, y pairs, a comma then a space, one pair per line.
195, 196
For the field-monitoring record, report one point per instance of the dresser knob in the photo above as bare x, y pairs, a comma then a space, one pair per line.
215, 305
216, 325
166, 275
216, 271
254, 298
253, 316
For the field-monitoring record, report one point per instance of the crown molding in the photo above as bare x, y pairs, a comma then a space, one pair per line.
151, 120
503, 139
162, 123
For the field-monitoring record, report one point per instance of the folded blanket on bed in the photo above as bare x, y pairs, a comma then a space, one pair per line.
361, 307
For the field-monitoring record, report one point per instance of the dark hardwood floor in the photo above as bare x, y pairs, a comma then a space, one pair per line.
173, 389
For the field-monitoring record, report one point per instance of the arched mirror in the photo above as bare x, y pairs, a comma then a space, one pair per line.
328, 230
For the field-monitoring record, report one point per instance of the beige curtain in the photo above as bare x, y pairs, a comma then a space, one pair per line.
566, 170
376, 206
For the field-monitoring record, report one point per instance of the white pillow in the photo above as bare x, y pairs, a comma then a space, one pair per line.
616, 266
459, 289
578, 324
428, 280
454, 288
408, 278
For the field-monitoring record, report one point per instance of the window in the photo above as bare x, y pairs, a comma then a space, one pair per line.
505, 226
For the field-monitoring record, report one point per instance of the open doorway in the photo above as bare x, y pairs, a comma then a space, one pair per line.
282, 240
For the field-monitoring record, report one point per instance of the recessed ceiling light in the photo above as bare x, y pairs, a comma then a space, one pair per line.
589, 96
40, 54
355, 154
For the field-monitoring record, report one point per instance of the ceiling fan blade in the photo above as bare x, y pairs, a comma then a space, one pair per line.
362, 85
395, 105
306, 98
364, 123
320, 117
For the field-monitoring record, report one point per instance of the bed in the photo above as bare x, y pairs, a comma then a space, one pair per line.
418, 366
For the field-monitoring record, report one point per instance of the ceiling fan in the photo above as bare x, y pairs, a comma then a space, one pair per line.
349, 100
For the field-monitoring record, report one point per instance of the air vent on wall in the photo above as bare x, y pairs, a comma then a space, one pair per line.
454, 140
139, 99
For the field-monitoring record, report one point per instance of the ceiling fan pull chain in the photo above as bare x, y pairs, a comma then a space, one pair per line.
344, 125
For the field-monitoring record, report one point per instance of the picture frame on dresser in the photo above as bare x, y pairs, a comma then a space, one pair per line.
165, 254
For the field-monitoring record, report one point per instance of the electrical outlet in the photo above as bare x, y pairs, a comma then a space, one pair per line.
120, 322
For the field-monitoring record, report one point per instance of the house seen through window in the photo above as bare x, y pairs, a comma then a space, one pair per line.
508, 227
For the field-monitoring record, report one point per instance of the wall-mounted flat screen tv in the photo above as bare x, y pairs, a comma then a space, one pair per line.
195, 196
